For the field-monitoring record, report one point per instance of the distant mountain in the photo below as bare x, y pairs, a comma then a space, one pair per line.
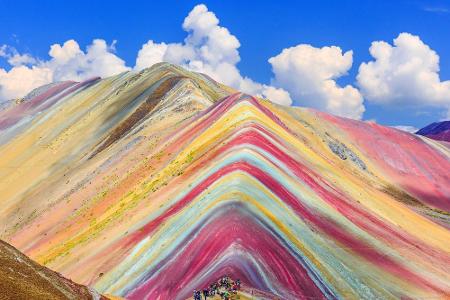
148, 185
438, 131
22, 278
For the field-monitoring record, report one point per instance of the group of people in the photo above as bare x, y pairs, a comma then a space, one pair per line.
225, 287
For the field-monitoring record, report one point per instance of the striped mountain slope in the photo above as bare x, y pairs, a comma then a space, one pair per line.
150, 185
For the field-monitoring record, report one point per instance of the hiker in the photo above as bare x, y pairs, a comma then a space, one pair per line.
238, 284
197, 295
234, 289
226, 295
206, 293
212, 289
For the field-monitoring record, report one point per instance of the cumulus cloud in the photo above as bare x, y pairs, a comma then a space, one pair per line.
211, 49
405, 73
150, 54
21, 79
309, 74
207, 48
14, 58
306, 73
67, 62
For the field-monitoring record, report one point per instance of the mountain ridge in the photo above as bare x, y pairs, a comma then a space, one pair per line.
438, 131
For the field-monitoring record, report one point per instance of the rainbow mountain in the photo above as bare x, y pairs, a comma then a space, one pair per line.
148, 185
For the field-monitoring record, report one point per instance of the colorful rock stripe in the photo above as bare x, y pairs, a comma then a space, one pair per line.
296, 203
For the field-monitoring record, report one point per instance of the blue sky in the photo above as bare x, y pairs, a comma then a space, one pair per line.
263, 28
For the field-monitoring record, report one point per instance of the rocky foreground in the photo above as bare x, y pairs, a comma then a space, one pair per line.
22, 278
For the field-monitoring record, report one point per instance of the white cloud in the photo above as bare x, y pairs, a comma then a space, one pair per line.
406, 128
22, 79
405, 73
14, 58
281, 95
208, 48
67, 62
304, 72
150, 54
211, 49
309, 74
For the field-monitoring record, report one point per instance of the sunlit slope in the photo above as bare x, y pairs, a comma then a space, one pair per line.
48, 139
146, 200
